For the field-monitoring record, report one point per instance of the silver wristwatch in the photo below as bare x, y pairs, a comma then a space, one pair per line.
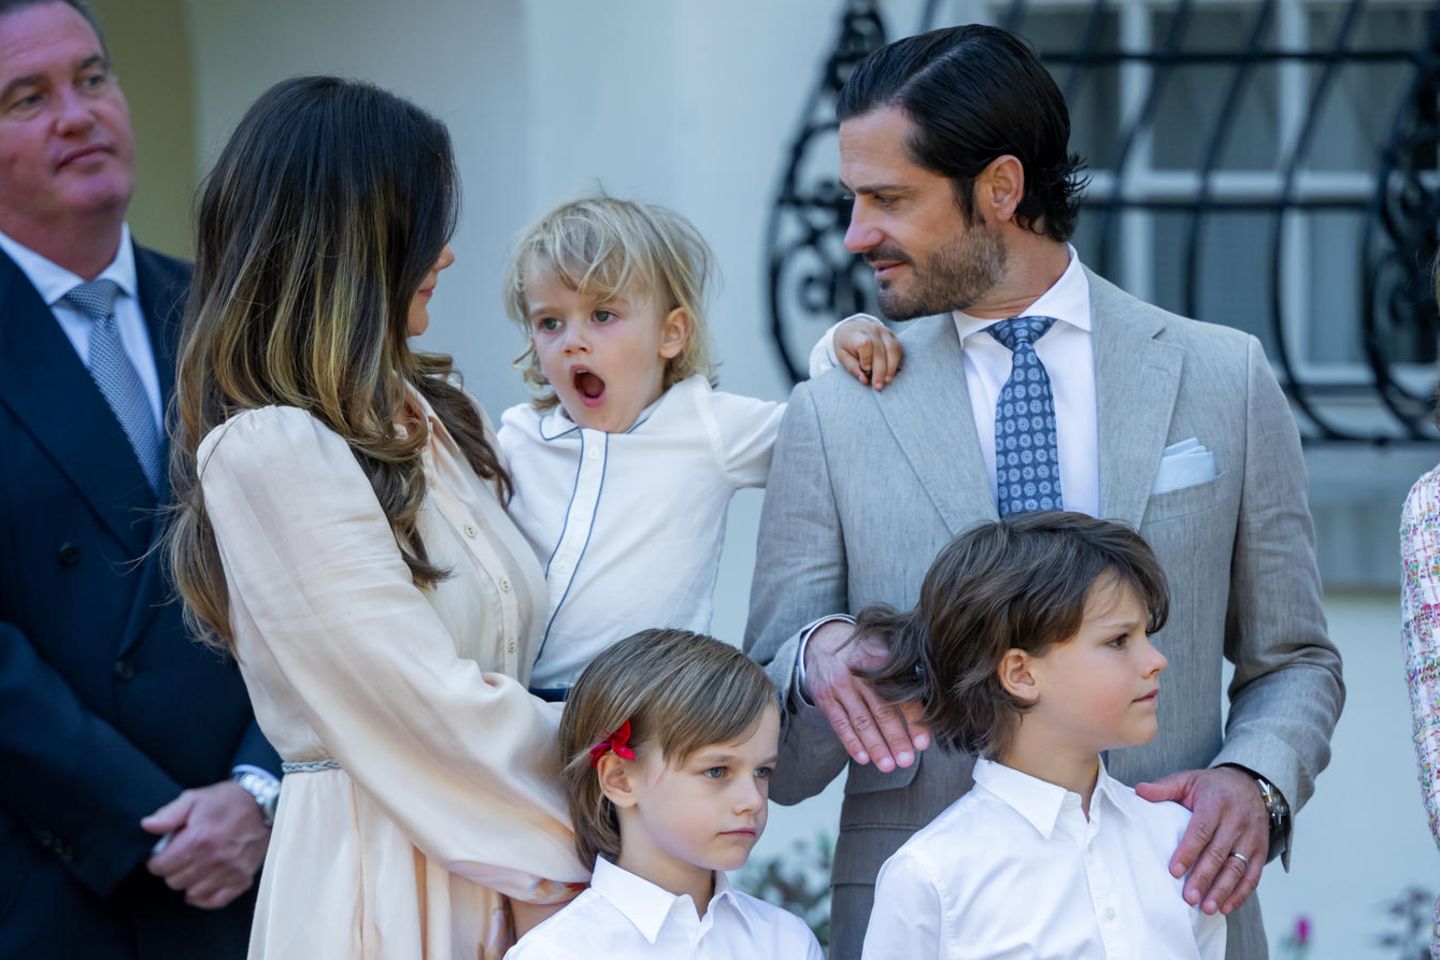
1277, 809
265, 790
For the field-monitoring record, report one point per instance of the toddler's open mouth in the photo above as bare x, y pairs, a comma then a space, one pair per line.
590, 386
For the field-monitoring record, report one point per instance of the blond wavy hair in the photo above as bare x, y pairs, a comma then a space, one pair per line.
323, 215
606, 248
679, 691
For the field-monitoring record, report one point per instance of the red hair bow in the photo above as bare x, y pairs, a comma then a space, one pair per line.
619, 741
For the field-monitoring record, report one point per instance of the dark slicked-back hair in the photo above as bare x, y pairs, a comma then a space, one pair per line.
1019, 583
976, 93
8, 7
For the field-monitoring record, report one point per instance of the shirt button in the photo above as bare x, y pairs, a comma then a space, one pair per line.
510, 647
504, 585
594, 453
1090, 847
124, 670
470, 531
68, 555
1109, 913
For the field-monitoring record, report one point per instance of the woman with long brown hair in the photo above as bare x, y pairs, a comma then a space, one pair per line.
341, 529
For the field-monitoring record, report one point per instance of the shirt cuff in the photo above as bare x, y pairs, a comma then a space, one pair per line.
805, 635
240, 768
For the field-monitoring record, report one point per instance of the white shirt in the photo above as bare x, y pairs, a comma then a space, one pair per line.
1068, 352
629, 525
53, 281
626, 917
1014, 869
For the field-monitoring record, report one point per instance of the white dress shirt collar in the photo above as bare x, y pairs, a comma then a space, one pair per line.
1039, 801
557, 422
1015, 867
1068, 300
53, 281
648, 906
1068, 352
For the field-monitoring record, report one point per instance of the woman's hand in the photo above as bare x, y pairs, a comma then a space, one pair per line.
868, 349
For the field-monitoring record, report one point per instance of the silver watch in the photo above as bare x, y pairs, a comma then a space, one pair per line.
265, 790
1277, 809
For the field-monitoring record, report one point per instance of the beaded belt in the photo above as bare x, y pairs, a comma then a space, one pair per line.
308, 766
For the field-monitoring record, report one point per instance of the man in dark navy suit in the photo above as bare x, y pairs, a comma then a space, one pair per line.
109, 714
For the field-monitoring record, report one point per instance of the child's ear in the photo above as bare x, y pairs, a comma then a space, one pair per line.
675, 331
1017, 677
616, 776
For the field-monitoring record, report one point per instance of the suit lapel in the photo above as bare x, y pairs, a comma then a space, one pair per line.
928, 410
162, 294
51, 393
162, 290
1137, 377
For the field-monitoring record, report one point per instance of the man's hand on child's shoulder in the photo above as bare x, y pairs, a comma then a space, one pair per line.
866, 347
1227, 842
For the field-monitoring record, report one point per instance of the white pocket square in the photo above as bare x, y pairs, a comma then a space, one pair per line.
1182, 465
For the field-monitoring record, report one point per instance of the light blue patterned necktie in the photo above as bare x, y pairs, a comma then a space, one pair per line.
1027, 459
115, 375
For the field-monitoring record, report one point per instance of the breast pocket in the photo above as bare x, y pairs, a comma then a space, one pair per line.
1186, 501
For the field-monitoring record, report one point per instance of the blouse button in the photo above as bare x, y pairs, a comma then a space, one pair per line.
505, 585
510, 647
470, 531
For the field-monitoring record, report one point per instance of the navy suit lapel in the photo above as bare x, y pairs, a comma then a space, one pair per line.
1137, 377
162, 296
928, 410
43, 381
162, 287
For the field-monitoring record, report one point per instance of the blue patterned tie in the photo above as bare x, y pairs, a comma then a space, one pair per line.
115, 375
1027, 460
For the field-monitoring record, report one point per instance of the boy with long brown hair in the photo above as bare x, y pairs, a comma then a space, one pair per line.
1030, 647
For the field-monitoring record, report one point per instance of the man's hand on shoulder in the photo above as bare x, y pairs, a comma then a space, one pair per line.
218, 842
868, 726
1228, 840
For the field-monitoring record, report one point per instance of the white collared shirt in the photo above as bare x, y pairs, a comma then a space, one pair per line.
1068, 352
53, 281
1014, 869
629, 525
626, 917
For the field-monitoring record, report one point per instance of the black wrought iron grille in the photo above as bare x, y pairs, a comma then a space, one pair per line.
1268, 165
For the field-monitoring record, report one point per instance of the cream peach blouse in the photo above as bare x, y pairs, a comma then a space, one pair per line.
443, 796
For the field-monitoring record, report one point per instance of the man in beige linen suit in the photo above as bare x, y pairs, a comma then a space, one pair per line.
954, 144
